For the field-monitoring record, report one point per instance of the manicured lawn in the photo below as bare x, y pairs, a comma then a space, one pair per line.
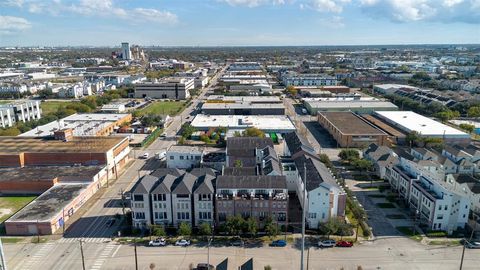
354, 222
385, 205
11, 240
10, 205
163, 107
445, 242
408, 231
52, 106
5, 101
397, 216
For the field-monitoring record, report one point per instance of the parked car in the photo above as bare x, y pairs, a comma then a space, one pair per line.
326, 243
145, 155
278, 243
161, 155
344, 244
473, 245
159, 242
205, 266
236, 242
182, 243
110, 222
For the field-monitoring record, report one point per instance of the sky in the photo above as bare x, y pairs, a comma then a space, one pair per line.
238, 22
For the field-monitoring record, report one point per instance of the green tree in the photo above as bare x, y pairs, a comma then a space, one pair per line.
349, 155
467, 127
187, 130
250, 226
412, 138
474, 111
11, 131
158, 230
151, 120
253, 132
447, 115
271, 228
330, 227
184, 229
291, 90
205, 229
363, 164
234, 224
325, 160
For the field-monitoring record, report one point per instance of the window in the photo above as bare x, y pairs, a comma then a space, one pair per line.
312, 215
323, 215
439, 207
181, 157
160, 215
183, 196
138, 205
172, 157
197, 158
138, 198
139, 215
445, 207
440, 217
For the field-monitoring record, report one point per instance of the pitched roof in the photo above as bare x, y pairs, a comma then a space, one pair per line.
240, 171
144, 185
245, 146
204, 184
316, 172
251, 182
202, 171
164, 185
472, 183
184, 184
164, 171
296, 143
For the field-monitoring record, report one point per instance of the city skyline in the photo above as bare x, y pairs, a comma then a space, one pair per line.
238, 22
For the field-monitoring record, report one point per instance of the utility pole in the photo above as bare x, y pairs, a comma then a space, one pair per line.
303, 212
135, 250
208, 252
123, 201
476, 219
81, 252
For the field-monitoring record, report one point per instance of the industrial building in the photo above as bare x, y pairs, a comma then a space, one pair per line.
243, 108
293, 79
19, 112
66, 170
82, 124
323, 91
408, 121
351, 130
347, 104
174, 88
266, 123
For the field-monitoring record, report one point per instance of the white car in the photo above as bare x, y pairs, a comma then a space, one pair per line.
327, 243
159, 242
161, 155
145, 155
182, 243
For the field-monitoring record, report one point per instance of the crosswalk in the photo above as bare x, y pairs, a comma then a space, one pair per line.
33, 261
106, 253
85, 240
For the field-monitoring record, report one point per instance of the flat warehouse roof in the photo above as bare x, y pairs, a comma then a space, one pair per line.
83, 173
263, 122
210, 106
410, 121
350, 124
49, 204
11, 145
350, 104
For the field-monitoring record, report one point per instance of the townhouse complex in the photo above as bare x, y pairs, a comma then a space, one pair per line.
439, 187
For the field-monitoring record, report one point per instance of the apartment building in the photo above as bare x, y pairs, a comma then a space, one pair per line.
171, 196
468, 186
174, 88
292, 79
325, 198
256, 196
19, 112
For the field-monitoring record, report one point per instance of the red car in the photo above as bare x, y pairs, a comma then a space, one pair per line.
344, 244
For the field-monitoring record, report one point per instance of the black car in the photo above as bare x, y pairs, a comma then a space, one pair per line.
205, 266
110, 222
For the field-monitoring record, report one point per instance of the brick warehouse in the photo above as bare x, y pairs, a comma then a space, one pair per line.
66, 171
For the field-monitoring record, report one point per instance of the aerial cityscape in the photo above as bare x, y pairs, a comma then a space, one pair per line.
239, 134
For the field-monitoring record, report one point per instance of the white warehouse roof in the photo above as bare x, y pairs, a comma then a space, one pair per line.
409, 121
267, 123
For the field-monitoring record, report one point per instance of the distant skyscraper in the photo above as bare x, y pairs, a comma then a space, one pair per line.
126, 51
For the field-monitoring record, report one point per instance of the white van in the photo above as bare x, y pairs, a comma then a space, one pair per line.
161, 155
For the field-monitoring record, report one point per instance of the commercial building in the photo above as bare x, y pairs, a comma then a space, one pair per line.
171, 196
174, 88
184, 157
82, 124
408, 121
113, 108
347, 104
243, 108
266, 123
292, 79
126, 52
244, 66
19, 112
323, 91
351, 130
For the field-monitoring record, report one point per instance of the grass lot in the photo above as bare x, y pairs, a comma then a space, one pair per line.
445, 243
13, 204
385, 205
163, 107
354, 222
408, 231
5, 101
11, 240
52, 106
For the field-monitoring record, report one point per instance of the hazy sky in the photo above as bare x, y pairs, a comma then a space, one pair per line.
238, 22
